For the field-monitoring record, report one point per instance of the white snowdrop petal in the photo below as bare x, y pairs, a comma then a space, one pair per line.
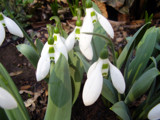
60, 47
93, 86
117, 78
56, 57
105, 71
7, 101
91, 68
45, 49
70, 41
43, 67
12, 27
63, 39
2, 33
85, 39
154, 113
105, 24
87, 52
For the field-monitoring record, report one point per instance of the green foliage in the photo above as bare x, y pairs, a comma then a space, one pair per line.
109, 92
6, 82
121, 109
29, 53
60, 92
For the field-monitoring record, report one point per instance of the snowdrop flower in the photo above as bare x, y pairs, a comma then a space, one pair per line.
73, 36
92, 16
93, 86
12, 27
7, 101
154, 113
51, 51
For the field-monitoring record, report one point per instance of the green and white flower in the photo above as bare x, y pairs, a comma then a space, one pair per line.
73, 36
93, 86
7, 101
12, 27
92, 16
51, 51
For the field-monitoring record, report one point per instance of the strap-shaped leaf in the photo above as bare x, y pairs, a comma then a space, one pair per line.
109, 92
60, 92
76, 72
85, 63
141, 85
134, 40
39, 46
7, 83
121, 109
98, 43
143, 54
29, 53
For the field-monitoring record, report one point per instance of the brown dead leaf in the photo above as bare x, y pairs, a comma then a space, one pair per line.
15, 73
25, 87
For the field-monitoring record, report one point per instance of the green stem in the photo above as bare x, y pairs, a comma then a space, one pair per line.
70, 6
113, 52
119, 97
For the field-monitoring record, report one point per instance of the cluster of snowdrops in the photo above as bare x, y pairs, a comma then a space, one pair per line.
57, 45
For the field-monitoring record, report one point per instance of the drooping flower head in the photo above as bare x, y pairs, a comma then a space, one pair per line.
50, 52
12, 27
7, 101
92, 16
154, 113
74, 36
93, 86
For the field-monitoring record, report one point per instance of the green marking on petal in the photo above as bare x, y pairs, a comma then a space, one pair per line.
77, 31
76, 38
51, 50
55, 37
94, 21
4, 24
105, 66
52, 58
104, 74
1, 17
93, 13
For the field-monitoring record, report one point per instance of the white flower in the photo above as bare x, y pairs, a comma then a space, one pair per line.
85, 40
93, 86
12, 27
73, 36
154, 113
43, 65
6, 100
60, 44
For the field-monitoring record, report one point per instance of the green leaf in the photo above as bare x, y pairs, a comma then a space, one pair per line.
132, 41
39, 46
76, 72
108, 91
143, 54
96, 7
19, 113
85, 63
141, 85
60, 92
121, 109
29, 53
98, 43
